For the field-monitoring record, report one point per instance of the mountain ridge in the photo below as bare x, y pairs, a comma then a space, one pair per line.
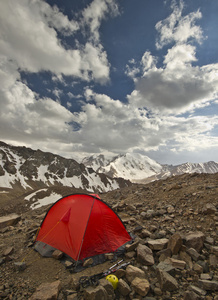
142, 169
29, 169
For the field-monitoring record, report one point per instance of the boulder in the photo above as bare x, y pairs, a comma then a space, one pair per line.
193, 253
8, 251
187, 258
95, 293
209, 285
108, 287
175, 243
141, 286
145, 255
57, 254
209, 209
167, 282
132, 272
123, 287
167, 267
9, 220
20, 266
197, 290
47, 291
177, 263
190, 295
158, 244
195, 240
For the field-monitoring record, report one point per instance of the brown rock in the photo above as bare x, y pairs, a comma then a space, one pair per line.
88, 262
175, 243
195, 240
177, 263
187, 258
9, 220
190, 295
209, 285
145, 255
97, 293
140, 286
167, 282
123, 288
57, 254
158, 244
47, 291
209, 209
132, 247
132, 272
8, 251
108, 287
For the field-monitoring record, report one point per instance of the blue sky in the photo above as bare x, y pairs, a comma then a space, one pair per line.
106, 76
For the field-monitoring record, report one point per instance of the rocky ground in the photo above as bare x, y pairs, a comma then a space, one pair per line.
174, 254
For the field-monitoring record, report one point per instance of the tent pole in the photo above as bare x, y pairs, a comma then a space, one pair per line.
84, 232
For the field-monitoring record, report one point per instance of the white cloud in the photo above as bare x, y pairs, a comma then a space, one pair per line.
178, 86
114, 126
95, 13
177, 28
28, 37
152, 118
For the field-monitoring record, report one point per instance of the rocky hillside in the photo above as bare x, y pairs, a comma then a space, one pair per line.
25, 169
174, 254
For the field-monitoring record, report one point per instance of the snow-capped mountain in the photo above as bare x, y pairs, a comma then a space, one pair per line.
140, 168
132, 166
28, 169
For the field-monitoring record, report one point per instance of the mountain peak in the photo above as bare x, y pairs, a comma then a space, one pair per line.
140, 168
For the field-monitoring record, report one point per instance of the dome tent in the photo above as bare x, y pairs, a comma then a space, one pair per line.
82, 226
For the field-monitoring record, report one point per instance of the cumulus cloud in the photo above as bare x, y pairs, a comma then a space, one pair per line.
109, 124
151, 120
29, 41
29, 37
178, 85
95, 13
178, 28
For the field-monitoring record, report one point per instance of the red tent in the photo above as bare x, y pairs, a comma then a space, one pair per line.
82, 226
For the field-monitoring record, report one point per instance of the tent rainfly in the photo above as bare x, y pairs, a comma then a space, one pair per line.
82, 226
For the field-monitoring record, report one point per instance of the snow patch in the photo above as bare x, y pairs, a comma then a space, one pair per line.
52, 198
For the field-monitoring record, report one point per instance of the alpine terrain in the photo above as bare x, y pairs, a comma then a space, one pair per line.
24, 168
174, 254
140, 168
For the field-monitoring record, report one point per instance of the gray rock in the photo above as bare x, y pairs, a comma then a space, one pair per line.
145, 255
9, 220
8, 251
209, 209
166, 267
123, 287
190, 295
20, 266
209, 285
193, 253
167, 282
197, 290
195, 240
47, 291
97, 293
158, 244
108, 287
